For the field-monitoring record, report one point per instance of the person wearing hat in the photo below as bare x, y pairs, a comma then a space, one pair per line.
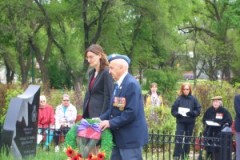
215, 119
125, 117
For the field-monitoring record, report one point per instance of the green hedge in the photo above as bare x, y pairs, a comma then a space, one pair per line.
160, 119
7, 92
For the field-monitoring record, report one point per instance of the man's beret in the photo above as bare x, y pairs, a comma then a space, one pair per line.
216, 98
119, 56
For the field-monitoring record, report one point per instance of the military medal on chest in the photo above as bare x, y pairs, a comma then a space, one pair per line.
119, 102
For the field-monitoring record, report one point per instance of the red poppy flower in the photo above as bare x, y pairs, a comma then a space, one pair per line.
76, 158
70, 152
79, 155
90, 157
101, 156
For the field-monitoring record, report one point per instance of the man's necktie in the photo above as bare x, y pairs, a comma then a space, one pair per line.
115, 89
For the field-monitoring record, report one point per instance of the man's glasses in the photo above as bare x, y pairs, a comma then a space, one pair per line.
65, 100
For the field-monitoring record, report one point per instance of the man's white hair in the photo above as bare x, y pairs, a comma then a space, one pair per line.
66, 96
220, 103
122, 63
43, 98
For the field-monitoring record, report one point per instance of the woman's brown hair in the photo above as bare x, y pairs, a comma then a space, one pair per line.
153, 84
183, 86
97, 49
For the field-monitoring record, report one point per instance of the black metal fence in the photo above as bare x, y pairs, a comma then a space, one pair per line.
1, 134
161, 145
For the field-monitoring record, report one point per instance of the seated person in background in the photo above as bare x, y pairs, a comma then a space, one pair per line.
216, 113
65, 116
45, 121
153, 98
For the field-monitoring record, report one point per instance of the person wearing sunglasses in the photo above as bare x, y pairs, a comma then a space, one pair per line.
185, 109
65, 116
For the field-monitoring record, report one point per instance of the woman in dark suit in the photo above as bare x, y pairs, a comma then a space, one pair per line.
100, 83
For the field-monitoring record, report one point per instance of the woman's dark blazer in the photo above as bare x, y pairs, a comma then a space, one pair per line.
97, 99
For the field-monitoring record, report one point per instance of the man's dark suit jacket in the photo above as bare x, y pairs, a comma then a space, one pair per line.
97, 99
237, 110
129, 126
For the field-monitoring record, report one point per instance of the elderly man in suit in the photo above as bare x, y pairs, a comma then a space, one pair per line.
125, 117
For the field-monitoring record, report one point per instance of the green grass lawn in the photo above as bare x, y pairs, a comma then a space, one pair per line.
41, 155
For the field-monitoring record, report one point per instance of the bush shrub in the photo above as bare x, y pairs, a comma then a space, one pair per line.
160, 119
166, 81
7, 92
204, 91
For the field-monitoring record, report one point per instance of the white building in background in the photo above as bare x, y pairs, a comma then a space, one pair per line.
3, 78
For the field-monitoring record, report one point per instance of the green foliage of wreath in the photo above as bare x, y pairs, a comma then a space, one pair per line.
106, 139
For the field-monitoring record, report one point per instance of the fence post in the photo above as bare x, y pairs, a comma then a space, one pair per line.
0, 136
226, 144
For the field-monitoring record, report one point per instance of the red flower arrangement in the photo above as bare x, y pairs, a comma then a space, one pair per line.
74, 155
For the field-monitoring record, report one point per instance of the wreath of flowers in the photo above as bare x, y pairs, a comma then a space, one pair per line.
105, 146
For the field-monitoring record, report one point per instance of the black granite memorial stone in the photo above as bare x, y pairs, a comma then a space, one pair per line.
20, 128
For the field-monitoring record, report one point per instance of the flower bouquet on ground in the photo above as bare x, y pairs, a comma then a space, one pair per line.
74, 155
89, 141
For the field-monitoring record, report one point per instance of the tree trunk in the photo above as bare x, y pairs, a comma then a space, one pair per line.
78, 90
25, 63
226, 74
42, 63
9, 73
